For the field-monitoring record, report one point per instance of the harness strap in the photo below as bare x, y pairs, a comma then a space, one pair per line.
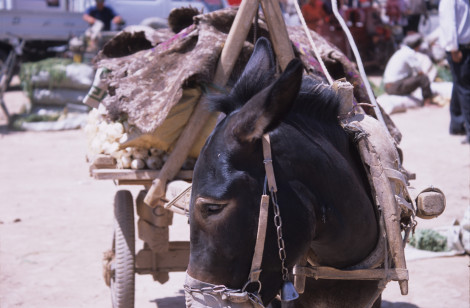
255, 270
268, 163
260, 238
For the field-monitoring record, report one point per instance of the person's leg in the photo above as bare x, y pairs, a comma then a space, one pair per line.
413, 24
403, 87
456, 126
463, 90
408, 85
425, 86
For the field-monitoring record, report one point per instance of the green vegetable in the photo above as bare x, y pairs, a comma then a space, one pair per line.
443, 74
427, 239
20, 119
56, 67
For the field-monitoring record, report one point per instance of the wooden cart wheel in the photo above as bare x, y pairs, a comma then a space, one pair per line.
123, 276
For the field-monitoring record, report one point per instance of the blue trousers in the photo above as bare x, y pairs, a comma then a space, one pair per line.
460, 100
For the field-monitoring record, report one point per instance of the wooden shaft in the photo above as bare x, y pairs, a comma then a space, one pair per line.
236, 37
235, 40
391, 215
325, 272
179, 154
277, 32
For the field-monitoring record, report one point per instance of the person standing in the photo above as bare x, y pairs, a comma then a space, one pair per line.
454, 21
314, 15
104, 13
403, 73
414, 10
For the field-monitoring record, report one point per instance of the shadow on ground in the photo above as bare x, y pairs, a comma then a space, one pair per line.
171, 302
178, 302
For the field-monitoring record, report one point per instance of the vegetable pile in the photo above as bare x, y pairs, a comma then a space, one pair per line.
107, 137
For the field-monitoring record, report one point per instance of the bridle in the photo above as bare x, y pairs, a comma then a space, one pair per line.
288, 292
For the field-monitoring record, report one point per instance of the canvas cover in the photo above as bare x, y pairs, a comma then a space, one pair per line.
145, 86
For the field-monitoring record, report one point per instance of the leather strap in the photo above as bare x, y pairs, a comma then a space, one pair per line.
260, 238
263, 211
268, 163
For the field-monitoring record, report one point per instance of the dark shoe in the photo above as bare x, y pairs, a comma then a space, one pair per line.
457, 127
426, 102
457, 132
465, 141
429, 102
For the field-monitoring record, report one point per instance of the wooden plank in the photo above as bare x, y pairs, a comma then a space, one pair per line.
325, 272
130, 174
134, 182
179, 245
176, 259
103, 160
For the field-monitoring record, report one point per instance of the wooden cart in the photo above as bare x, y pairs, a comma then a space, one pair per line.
158, 256
167, 191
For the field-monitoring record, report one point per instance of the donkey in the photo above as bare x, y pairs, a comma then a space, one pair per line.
323, 201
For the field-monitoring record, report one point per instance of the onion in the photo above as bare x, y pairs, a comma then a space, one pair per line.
154, 162
140, 153
125, 162
137, 164
156, 152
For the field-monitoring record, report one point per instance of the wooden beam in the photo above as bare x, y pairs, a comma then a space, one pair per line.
325, 272
130, 174
174, 260
278, 32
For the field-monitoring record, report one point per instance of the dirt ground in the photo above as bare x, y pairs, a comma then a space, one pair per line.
56, 221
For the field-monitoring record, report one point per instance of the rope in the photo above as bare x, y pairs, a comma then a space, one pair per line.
354, 49
345, 28
314, 47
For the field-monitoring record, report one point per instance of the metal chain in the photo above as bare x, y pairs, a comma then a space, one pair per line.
280, 240
221, 289
211, 290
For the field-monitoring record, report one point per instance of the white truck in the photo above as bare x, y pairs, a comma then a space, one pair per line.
43, 24
32, 30
40, 24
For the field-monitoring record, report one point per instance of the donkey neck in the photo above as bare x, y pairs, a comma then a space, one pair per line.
329, 180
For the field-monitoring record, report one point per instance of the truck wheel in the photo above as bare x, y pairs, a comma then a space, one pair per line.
123, 277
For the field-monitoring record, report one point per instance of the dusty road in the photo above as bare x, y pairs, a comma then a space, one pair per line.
56, 221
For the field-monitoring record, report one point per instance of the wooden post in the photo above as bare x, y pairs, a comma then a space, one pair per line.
278, 32
236, 37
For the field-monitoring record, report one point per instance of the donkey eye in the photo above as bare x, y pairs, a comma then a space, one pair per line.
212, 208
209, 206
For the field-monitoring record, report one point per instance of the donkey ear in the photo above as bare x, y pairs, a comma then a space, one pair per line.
264, 111
261, 62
